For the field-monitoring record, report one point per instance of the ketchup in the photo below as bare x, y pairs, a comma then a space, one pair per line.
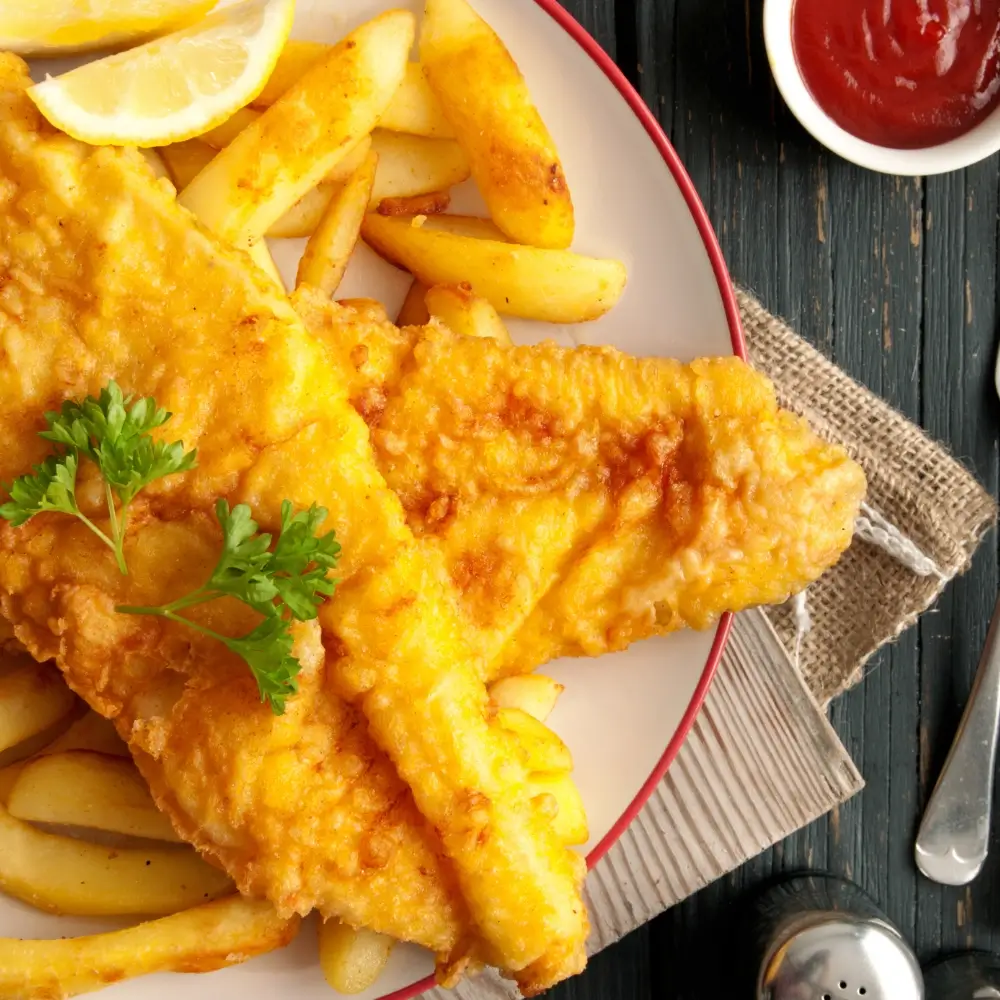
900, 73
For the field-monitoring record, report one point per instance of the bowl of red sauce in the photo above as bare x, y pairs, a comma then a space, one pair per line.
900, 86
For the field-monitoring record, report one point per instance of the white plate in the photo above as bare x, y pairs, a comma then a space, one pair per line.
633, 201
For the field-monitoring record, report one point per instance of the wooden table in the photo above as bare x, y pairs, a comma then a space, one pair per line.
896, 280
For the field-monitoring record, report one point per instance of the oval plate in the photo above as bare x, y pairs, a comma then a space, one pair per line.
633, 201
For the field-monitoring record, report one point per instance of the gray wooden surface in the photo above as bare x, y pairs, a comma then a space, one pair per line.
896, 280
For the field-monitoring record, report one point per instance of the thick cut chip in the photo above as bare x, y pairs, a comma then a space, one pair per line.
552, 285
485, 97
292, 146
202, 939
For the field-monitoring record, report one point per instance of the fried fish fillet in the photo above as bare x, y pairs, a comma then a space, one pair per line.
387, 795
582, 499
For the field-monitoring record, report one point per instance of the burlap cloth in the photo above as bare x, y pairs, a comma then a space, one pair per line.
869, 597
762, 759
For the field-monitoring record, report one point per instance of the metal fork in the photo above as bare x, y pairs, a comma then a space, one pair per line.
953, 839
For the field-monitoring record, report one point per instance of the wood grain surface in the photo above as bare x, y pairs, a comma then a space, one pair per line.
896, 280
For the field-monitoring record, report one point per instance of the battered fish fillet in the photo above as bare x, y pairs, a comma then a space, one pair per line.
582, 499
387, 794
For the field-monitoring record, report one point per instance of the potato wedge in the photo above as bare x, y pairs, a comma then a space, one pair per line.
303, 217
33, 697
36, 744
413, 108
413, 166
260, 254
416, 109
413, 311
552, 285
325, 258
213, 936
296, 59
484, 96
351, 959
8, 779
90, 790
222, 135
568, 816
541, 749
63, 875
432, 203
410, 165
293, 145
464, 225
90, 732
185, 160
535, 694
465, 313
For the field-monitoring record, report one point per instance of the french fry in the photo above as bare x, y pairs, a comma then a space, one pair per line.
484, 96
36, 744
330, 247
90, 732
8, 778
413, 311
348, 166
296, 59
541, 749
33, 697
351, 959
95, 791
63, 875
213, 936
464, 225
411, 165
222, 135
415, 108
568, 817
465, 313
552, 285
535, 694
260, 254
432, 203
293, 145
185, 160
303, 217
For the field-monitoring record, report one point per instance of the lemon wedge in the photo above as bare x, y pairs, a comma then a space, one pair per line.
172, 88
55, 27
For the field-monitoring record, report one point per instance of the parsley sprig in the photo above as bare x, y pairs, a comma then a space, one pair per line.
113, 432
284, 583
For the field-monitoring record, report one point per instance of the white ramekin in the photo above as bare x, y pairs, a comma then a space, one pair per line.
974, 145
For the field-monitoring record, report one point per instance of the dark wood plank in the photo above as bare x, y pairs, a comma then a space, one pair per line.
599, 18
961, 409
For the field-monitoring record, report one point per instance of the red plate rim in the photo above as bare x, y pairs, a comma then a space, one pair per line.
581, 36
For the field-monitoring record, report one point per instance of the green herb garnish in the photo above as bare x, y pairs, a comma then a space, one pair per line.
284, 583
113, 432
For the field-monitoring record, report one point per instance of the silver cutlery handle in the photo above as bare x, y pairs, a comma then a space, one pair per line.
954, 835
